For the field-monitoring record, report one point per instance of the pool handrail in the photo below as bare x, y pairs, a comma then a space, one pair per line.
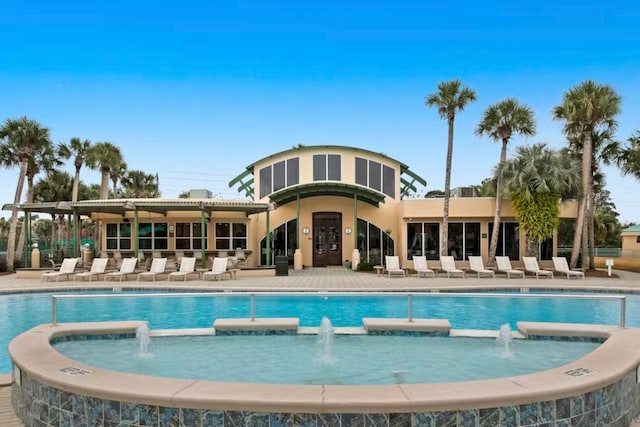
409, 295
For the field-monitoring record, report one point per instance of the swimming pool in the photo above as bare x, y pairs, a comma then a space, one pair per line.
20, 312
306, 359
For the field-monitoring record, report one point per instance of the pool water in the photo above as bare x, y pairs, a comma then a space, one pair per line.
20, 312
355, 359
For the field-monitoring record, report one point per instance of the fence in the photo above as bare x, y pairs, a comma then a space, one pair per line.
609, 252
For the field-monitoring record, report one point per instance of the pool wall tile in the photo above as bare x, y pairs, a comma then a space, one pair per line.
38, 404
328, 420
302, 420
213, 418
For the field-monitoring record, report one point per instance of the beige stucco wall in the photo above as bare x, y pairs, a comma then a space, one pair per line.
630, 241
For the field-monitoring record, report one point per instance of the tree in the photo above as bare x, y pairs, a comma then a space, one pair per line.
103, 156
499, 122
450, 98
79, 150
21, 138
628, 159
586, 108
536, 179
138, 184
57, 186
118, 171
44, 159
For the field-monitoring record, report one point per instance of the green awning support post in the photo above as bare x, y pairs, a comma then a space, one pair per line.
136, 233
355, 221
203, 238
298, 222
268, 241
76, 243
27, 238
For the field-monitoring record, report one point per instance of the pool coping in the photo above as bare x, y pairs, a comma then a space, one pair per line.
610, 362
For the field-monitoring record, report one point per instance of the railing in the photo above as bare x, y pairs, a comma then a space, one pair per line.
409, 296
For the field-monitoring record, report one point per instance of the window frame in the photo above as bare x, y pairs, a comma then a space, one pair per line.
193, 238
234, 241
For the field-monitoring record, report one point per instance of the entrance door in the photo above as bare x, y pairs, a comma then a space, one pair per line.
327, 239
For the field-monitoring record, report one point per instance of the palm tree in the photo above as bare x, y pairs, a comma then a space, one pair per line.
138, 184
584, 109
628, 159
21, 138
604, 148
43, 160
55, 187
450, 98
500, 122
79, 150
118, 171
535, 180
103, 156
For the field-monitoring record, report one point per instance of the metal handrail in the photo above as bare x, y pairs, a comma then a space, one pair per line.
252, 296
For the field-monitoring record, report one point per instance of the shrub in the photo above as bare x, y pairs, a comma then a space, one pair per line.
365, 266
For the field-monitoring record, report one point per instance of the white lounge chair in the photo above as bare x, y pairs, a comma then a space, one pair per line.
561, 266
448, 265
66, 269
477, 266
420, 266
157, 267
393, 266
127, 267
504, 266
187, 267
531, 266
98, 267
218, 268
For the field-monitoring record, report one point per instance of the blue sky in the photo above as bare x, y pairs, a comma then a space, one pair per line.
196, 91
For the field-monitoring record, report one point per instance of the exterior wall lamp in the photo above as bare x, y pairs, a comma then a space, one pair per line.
306, 230
348, 230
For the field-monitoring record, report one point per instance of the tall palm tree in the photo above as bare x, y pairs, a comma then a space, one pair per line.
450, 98
118, 171
79, 150
102, 157
139, 184
43, 160
55, 187
606, 149
628, 158
500, 121
535, 180
21, 138
585, 108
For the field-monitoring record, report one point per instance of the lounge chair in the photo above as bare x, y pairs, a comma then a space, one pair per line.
420, 266
98, 267
477, 266
531, 266
504, 266
218, 268
392, 265
127, 267
187, 267
157, 267
66, 269
561, 266
448, 265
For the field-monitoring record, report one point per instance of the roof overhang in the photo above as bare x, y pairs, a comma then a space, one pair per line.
162, 206
317, 189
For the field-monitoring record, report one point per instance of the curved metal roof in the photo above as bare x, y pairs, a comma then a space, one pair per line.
317, 189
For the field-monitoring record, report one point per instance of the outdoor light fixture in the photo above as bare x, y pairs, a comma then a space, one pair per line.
306, 230
348, 230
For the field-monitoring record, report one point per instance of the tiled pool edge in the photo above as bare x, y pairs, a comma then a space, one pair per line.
605, 398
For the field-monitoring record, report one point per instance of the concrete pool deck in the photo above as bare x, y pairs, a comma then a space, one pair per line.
318, 279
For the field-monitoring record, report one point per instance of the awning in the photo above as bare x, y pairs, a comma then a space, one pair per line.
317, 189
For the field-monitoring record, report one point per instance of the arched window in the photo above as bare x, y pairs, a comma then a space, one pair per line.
283, 242
373, 243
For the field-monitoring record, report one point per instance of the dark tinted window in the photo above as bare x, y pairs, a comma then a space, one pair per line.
361, 171
293, 174
265, 181
389, 181
374, 175
333, 167
320, 167
278, 176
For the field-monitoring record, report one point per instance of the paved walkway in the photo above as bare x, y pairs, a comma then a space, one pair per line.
318, 279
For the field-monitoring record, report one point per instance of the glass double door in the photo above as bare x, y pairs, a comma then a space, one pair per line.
327, 239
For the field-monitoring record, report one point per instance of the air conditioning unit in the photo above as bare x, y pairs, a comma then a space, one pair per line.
200, 194
463, 192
